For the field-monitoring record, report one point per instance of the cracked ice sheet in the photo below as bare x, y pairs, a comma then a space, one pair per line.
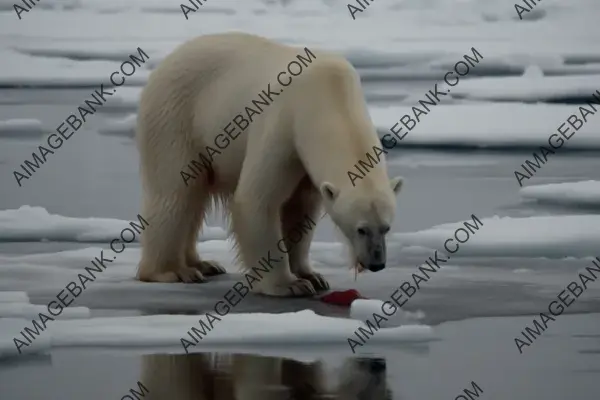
44, 275
427, 38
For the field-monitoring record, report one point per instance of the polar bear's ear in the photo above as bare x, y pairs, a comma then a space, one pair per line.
396, 184
329, 192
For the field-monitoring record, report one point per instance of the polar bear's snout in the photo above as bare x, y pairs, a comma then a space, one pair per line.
369, 245
376, 267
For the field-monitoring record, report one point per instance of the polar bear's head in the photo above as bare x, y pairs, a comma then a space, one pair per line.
364, 214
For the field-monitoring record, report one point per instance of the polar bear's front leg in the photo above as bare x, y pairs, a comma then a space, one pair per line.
299, 217
257, 231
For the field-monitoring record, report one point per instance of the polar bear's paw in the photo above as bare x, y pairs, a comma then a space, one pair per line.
301, 288
184, 274
296, 288
190, 275
317, 280
209, 267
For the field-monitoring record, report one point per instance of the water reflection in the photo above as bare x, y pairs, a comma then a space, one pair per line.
219, 376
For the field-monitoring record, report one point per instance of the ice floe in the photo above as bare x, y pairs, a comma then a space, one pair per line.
126, 99
584, 193
534, 236
166, 331
21, 70
33, 224
363, 310
478, 125
121, 127
538, 236
258, 328
32, 311
21, 128
42, 274
50, 57
14, 297
531, 87
488, 125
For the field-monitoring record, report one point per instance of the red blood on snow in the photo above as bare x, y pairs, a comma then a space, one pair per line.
342, 298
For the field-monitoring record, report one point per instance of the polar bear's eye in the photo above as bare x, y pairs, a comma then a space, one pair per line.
385, 229
361, 231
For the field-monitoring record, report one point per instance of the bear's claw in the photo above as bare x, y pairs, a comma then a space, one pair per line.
301, 288
317, 280
209, 267
190, 275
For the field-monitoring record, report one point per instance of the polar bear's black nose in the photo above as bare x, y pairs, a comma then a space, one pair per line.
376, 267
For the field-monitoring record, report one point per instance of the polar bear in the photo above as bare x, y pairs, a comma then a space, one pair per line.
269, 171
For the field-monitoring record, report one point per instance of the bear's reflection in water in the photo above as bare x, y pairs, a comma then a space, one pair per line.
216, 376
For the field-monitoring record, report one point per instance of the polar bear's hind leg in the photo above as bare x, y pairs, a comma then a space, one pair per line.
192, 259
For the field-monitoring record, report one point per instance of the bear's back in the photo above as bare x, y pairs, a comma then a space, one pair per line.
195, 93
210, 58
218, 75
247, 61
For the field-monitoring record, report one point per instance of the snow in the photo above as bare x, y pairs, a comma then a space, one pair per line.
120, 127
488, 125
531, 87
36, 224
20, 128
537, 236
584, 193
